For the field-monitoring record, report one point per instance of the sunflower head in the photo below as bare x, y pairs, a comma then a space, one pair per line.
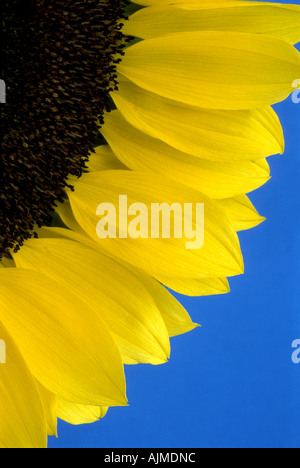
164, 103
59, 65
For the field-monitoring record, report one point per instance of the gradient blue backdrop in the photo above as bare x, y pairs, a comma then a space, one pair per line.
232, 382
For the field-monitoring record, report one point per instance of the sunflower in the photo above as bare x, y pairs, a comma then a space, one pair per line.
166, 102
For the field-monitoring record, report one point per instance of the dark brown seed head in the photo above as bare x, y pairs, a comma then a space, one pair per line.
58, 60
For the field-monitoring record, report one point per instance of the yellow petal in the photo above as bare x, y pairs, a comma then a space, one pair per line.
65, 212
220, 256
282, 21
79, 414
196, 287
103, 159
50, 407
213, 69
188, 287
71, 353
23, 421
241, 212
176, 318
204, 133
214, 178
173, 314
263, 164
117, 296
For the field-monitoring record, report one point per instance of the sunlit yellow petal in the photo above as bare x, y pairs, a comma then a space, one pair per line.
189, 287
72, 354
143, 153
176, 318
241, 212
263, 164
79, 414
156, 256
182, 109
103, 159
272, 19
112, 291
65, 212
204, 133
213, 69
196, 287
23, 420
49, 401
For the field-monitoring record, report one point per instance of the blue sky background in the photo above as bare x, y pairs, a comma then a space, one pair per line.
232, 382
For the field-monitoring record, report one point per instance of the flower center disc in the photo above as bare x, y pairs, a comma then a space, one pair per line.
58, 60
